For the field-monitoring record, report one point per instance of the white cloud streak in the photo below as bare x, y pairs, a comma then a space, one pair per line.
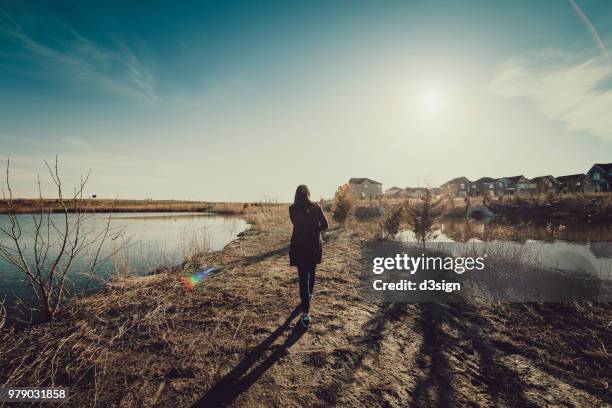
589, 26
562, 87
79, 61
75, 142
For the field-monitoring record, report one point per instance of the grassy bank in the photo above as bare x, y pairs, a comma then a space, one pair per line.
539, 208
542, 208
234, 340
24, 206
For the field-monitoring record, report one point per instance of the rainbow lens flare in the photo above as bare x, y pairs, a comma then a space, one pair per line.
192, 281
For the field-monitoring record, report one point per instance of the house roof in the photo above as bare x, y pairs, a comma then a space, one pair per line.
604, 166
513, 179
541, 179
393, 191
461, 179
571, 177
485, 180
361, 180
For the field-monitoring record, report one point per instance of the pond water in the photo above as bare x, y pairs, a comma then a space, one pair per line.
137, 243
569, 247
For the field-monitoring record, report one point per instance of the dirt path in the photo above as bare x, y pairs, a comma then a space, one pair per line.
362, 354
236, 340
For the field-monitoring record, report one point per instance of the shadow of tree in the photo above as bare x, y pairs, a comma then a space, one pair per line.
240, 378
434, 389
548, 354
503, 385
279, 252
275, 253
437, 388
373, 333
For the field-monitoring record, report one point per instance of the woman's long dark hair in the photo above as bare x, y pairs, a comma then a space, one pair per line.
302, 197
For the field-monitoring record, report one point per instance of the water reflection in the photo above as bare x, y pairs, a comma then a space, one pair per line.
462, 230
139, 243
586, 247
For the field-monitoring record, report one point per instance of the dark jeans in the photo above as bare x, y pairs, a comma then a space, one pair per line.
306, 274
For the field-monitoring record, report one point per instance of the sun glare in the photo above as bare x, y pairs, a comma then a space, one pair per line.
431, 102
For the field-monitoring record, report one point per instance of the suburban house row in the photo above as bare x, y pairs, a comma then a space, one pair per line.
363, 188
597, 179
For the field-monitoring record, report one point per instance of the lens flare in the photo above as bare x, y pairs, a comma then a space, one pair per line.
192, 281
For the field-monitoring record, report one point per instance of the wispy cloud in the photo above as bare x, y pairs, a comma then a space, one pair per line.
564, 87
589, 26
78, 61
78, 143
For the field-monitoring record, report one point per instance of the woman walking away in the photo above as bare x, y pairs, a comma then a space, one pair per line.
306, 244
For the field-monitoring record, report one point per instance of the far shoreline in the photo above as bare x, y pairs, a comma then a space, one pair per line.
94, 205
177, 267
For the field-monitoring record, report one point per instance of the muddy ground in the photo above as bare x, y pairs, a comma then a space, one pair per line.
236, 340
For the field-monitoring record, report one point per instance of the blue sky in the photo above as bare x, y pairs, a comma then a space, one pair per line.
244, 101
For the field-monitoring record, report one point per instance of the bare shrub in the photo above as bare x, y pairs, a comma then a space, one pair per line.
47, 254
549, 197
326, 205
468, 203
390, 225
423, 215
2, 314
451, 202
343, 204
193, 245
371, 211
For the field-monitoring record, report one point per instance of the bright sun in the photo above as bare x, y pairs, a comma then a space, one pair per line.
431, 102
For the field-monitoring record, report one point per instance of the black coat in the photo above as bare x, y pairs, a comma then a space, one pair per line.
306, 244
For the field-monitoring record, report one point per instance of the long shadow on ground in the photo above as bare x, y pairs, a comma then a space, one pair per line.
278, 252
240, 378
550, 355
437, 388
348, 363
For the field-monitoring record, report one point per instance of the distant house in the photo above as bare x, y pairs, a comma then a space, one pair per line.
546, 184
600, 176
394, 192
365, 188
483, 186
457, 187
573, 183
511, 185
415, 192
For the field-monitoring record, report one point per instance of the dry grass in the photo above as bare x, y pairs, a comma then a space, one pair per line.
100, 205
136, 330
540, 207
83, 346
229, 208
148, 342
561, 207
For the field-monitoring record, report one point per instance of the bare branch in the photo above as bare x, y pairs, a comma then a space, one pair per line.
2, 312
58, 245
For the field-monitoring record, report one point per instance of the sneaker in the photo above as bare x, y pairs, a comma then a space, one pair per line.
306, 321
